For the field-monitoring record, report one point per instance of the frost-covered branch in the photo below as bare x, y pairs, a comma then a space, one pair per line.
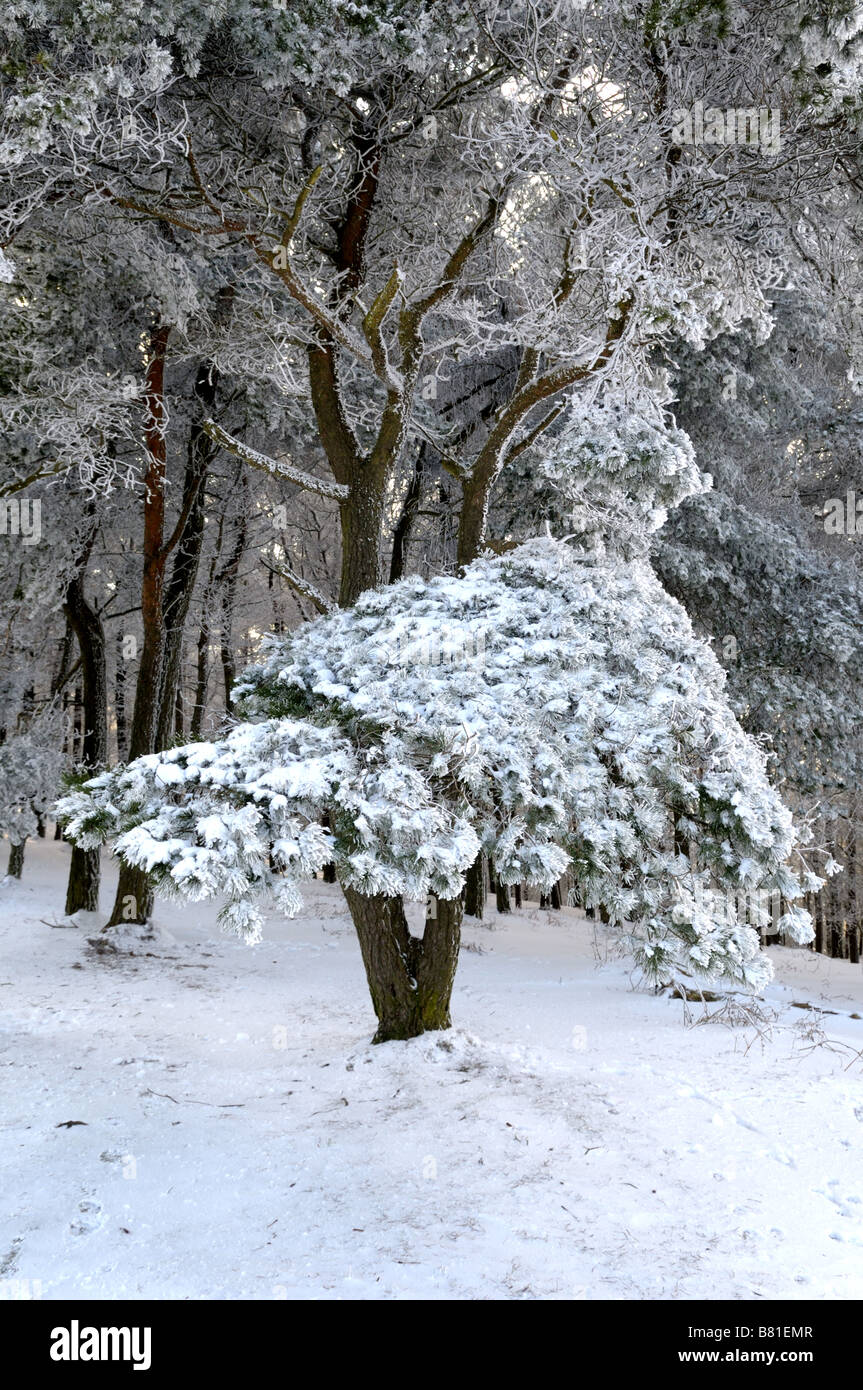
304, 588
555, 708
278, 468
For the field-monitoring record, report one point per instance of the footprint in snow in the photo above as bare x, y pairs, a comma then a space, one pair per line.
88, 1218
846, 1205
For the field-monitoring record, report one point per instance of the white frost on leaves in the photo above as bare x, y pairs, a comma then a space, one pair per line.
31, 764
612, 474
588, 729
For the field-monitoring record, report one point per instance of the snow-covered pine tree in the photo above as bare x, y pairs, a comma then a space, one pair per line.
550, 706
401, 196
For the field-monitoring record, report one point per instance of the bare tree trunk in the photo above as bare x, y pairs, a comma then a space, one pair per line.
410, 978
473, 518
178, 592
362, 525
854, 902
16, 859
362, 512
77, 725
228, 579
849, 896
57, 683
134, 900
202, 674
474, 897
82, 891
120, 699
836, 914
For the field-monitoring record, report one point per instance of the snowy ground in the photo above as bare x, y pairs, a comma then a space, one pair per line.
571, 1138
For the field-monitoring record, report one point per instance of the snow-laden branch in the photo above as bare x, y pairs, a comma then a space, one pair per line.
303, 588
557, 705
269, 465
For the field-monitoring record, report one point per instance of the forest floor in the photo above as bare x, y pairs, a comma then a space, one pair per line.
205, 1119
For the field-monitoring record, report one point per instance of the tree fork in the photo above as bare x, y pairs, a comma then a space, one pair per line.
410, 978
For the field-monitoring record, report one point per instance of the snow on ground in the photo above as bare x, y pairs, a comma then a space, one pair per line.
573, 1137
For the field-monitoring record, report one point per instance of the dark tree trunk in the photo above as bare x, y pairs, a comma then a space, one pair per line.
228, 579
501, 891
474, 895
59, 679
63, 667
849, 897
202, 674
82, 886
178, 592
473, 518
78, 725
16, 859
410, 978
361, 512
82, 891
361, 524
367, 477
853, 901
120, 699
144, 718
134, 900
836, 933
